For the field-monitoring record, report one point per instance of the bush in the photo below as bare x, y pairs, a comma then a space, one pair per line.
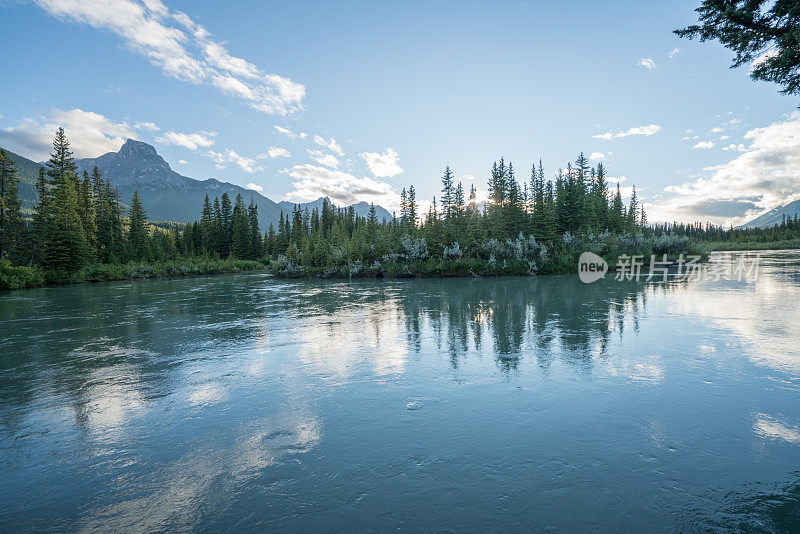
19, 277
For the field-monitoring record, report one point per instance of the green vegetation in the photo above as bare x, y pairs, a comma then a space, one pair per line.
78, 231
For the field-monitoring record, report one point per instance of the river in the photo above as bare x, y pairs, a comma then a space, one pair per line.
247, 403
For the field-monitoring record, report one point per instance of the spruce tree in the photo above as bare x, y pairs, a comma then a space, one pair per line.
240, 230
11, 226
67, 245
42, 220
256, 244
411, 198
448, 193
137, 233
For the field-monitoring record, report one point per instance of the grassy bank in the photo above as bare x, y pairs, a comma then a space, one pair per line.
768, 245
523, 256
26, 277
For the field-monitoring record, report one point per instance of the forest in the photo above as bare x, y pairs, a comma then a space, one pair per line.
81, 230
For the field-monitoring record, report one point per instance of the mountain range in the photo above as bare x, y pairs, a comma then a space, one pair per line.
166, 194
774, 216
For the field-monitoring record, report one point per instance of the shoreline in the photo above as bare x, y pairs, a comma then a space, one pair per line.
12, 278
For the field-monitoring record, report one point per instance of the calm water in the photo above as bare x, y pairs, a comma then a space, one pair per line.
247, 403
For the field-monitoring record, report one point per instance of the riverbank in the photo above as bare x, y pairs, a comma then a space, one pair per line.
27, 277
769, 245
509, 257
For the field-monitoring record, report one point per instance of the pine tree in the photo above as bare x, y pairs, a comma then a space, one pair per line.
42, 220
86, 212
633, 211
67, 246
539, 217
617, 215
256, 244
240, 230
137, 233
448, 193
11, 226
207, 226
458, 202
225, 226
412, 207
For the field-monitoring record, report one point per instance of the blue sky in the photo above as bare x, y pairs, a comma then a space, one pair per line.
368, 97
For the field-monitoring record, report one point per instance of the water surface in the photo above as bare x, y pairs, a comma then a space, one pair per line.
247, 403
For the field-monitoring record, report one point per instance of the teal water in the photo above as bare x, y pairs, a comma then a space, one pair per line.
247, 403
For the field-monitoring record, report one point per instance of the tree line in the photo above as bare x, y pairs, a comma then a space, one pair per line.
80, 220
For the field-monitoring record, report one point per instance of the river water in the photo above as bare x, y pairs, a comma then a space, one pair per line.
248, 403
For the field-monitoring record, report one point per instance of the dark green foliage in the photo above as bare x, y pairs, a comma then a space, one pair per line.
12, 229
79, 231
138, 232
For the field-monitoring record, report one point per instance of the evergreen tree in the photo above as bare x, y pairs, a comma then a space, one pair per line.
411, 198
225, 226
11, 227
256, 244
42, 220
137, 233
448, 193
86, 212
240, 230
207, 226
67, 245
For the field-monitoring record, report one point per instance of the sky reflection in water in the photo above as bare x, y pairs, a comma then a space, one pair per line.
247, 402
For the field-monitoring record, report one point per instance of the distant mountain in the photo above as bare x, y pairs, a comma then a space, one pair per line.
774, 216
166, 195
361, 209
27, 172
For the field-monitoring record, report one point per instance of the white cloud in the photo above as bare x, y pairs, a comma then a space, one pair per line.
637, 130
330, 144
674, 52
723, 137
734, 147
192, 141
149, 126
616, 179
704, 144
383, 165
182, 161
323, 158
716, 129
595, 156
312, 182
764, 176
274, 152
647, 62
90, 134
248, 165
254, 187
182, 49
468, 177
290, 134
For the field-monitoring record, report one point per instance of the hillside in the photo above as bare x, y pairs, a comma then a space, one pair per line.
27, 171
361, 209
166, 194
774, 216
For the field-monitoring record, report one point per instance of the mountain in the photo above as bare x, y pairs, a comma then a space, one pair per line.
166, 194
774, 216
361, 209
27, 172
